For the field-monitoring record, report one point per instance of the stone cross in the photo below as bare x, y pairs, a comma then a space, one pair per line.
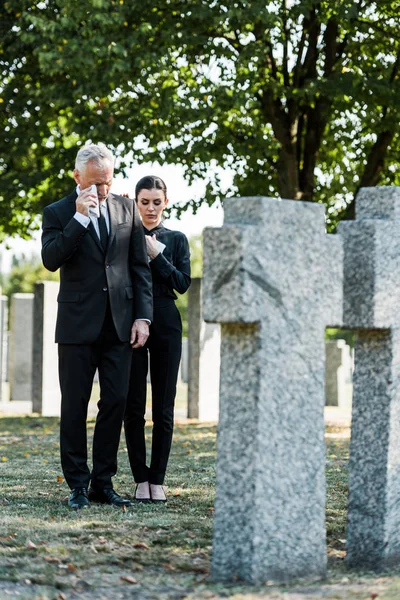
273, 279
372, 307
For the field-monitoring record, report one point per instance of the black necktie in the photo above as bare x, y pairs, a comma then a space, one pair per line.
103, 230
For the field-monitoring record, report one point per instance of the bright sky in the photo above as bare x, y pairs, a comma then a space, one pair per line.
178, 192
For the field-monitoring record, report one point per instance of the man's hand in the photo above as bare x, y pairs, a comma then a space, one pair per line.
140, 333
152, 247
84, 201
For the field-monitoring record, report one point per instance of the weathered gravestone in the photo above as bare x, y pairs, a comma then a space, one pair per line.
3, 338
20, 350
273, 279
46, 393
203, 359
338, 374
372, 307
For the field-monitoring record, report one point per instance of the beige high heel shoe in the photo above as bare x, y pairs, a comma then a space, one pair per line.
142, 492
157, 493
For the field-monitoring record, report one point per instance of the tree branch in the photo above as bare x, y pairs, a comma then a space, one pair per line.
285, 46
330, 39
297, 69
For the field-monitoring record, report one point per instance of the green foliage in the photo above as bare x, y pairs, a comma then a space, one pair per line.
341, 334
300, 99
25, 273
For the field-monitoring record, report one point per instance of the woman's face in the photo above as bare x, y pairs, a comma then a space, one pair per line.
151, 204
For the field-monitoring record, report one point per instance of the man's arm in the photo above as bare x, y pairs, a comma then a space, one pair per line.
59, 244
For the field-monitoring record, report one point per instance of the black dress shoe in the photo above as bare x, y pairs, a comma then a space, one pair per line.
108, 496
78, 498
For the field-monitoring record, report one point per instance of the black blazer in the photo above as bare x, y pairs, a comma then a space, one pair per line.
88, 276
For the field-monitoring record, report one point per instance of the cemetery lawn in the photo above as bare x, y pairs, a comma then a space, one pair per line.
149, 551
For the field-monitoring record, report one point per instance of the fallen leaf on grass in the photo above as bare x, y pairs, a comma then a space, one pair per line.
71, 568
61, 596
60, 479
177, 494
102, 540
373, 595
4, 502
52, 559
4, 459
30, 545
141, 545
123, 508
128, 578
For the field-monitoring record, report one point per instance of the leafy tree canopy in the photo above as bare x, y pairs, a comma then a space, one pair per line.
299, 98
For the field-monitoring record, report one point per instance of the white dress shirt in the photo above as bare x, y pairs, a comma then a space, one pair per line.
84, 220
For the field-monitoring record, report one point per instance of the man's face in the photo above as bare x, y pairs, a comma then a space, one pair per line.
98, 173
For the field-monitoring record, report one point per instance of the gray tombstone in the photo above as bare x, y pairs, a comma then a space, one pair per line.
371, 306
3, 341
20, 351
273, 279
194, 325
184, 361
204, 342
45, 386
338, 374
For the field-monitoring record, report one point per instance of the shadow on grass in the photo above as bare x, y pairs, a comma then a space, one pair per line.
147, 551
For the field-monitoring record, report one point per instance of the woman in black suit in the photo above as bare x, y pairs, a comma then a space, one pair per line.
169, 257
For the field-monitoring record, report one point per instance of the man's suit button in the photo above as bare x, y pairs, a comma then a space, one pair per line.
105, 289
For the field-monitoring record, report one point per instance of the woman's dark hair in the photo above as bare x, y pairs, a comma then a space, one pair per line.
150, 182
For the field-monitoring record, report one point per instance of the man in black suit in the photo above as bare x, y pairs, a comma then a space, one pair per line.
104, 310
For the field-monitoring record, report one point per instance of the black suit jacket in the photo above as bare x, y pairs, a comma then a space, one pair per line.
88, 276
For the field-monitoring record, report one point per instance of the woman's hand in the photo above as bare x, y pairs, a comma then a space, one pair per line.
152, 249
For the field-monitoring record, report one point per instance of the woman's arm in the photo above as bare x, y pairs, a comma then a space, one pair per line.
177, 276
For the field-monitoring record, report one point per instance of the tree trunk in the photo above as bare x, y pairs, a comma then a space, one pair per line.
288, 174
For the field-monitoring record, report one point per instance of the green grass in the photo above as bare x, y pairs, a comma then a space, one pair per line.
148, 551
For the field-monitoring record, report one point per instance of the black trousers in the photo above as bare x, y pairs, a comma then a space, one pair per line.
77, 366
164, 347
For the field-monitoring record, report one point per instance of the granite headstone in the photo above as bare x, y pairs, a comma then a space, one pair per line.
371, 307
20, 349
273, 280
46, 390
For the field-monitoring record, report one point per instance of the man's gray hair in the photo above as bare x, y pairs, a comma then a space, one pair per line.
96, 152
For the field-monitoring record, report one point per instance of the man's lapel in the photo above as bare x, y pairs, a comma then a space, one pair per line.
112, 204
